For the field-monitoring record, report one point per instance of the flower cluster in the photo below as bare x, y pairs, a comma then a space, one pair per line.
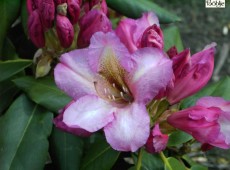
120, 77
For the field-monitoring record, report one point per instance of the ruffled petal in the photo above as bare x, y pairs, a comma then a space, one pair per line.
104, 45
152, 72
130, 128
73, 74
89, 112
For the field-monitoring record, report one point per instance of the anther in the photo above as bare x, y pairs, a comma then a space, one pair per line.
114, 85
105, 90
109, 97
125, 89
113, 97
122, 95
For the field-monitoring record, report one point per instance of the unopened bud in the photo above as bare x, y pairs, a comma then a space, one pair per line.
47, 12
62, 9
35, 29
32, 5
73, 10
65, 31
152, 37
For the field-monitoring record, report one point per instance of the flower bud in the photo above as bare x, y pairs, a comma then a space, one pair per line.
90, 23
207, 122
99, 4
172, 52
152, 37
65, 31
35, 29
157, 141
73, 10
32, 5
47, 12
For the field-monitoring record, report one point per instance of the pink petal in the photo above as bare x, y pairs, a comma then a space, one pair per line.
58, 121
152, 72
89, 112
73, 74
224, 122
130, 31
105, 44
130, 128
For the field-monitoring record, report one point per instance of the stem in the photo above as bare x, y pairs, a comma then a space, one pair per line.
165, 160
139, 159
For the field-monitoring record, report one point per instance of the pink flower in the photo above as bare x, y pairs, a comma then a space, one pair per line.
65, 30
152, 37
111, 88
92, 22
58, 121
157, 141
35, 29
130, 31
191, 73
208, 121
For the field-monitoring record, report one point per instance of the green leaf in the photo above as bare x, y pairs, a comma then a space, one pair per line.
12, 67
44, 92
198, 167
8, 90
151, 160
8, 50
175, 164
8, 12
220, 88
135, 8
178, 138
99, 156
66, 150
24, 15
24, 129
172, 38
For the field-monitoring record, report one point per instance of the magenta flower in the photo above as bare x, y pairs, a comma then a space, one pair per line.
111, 88
91, 22
208, 121
157, 141
191, 73
130, 31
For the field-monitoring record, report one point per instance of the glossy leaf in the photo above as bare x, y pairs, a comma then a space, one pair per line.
175, 164
12, 67
8, 90
9, 13
220, 88
99, 156
44, 92
172, 38
66, 150
135, 8
198, 167
178, 138
24, 129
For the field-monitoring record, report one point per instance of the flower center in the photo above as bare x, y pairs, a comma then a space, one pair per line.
111, 84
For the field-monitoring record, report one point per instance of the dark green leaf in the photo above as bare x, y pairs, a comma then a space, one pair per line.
44, 92
66, 150
135, 8
8, 90
8, 50
24, 129
99, 156
198, 167
12, 67
221, 89
175, 164
8, 12
172, 38
178, 138
24, 15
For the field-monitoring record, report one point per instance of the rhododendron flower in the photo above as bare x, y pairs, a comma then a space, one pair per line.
157, 141
191, 73
208, 121
111, 89
130, 31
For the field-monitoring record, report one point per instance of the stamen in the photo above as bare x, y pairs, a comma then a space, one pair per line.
122, 95
109, 97
114, 85
113, 97
125, 89
105, 90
